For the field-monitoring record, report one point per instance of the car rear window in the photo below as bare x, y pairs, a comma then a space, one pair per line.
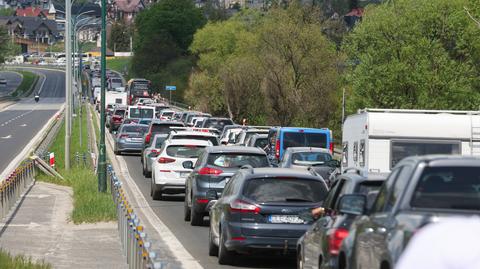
297, 139
168, 114
231, 160
120, 112
218, 124
184, 151
261, 142
163, 128
198, 137
262, 190
140, 113
448, 188
159, 140
135, 129
310, 158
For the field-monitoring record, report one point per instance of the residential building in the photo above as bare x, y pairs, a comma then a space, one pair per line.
32, 33
125, 10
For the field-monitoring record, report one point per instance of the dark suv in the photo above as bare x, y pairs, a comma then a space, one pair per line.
260, 210
217, 123
214, 167
117, 118
319, 246
159, 127
419, 190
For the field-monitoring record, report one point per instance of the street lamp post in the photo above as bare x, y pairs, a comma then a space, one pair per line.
102, 167
68, 82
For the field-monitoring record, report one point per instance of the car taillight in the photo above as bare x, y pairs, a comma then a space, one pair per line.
335, 240
147, 138
241, 206
165, 160
277, 149
332, 147
124, 136
210, 171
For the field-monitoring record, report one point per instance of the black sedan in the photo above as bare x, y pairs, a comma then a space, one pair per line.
260, 209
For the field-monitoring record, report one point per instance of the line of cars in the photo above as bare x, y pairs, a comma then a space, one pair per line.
258, 184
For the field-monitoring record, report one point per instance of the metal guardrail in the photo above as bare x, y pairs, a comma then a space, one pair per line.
15, 185
136, 246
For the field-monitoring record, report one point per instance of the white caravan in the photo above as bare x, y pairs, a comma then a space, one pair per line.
374, 140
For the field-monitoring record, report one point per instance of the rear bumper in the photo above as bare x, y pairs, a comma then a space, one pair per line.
171, 188
132, 147
256, 240
169, 184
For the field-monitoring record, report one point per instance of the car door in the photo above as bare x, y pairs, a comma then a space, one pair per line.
365, 225
313, 244
383, 223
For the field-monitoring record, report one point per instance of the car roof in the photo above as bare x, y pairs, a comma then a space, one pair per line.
307, 149
261, 135
353, 176
193, 133
296, 129
220, 118
195, 142
134, 124
234, 149
279, 172
159, 122
443, 160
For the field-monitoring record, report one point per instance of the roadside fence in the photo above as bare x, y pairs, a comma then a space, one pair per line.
136, 246
12, 188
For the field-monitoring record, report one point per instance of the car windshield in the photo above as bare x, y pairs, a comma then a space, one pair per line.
370, 189
134, 129
261, 142
184, 151
448, 188
262, 190
231, 160
310, 158
297, 139
198, 137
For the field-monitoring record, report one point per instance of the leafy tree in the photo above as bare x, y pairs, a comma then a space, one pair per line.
163, 34
415, 54
120, 37
7, 11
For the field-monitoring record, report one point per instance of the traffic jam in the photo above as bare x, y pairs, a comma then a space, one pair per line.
288, 191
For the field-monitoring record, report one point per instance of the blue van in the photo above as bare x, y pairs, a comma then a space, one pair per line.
302, 137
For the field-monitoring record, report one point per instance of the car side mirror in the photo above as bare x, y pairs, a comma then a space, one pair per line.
353, 204
187, 164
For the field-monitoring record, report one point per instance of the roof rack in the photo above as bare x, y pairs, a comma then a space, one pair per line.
424, 111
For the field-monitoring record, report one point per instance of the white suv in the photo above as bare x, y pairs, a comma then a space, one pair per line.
168, 170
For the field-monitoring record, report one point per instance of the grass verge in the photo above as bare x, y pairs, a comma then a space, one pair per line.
8, 261
119, 64
89, 205
26, 86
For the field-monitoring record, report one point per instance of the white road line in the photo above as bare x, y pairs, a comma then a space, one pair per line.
175, 246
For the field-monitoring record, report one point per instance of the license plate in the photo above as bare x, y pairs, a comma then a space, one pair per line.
184, 174
285, 219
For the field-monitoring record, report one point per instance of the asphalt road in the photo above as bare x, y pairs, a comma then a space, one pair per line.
20, 122
194, 239
13, 81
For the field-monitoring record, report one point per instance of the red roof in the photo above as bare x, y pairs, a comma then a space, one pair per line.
30, 12
356, 12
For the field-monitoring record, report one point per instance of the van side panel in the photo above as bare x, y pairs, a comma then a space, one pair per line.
379, 157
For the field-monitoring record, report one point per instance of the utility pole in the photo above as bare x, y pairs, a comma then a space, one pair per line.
102, 166
68, 81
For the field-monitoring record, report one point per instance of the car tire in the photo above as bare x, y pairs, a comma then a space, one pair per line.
196, 219
212, 248
225, 257
186, 210
299, 259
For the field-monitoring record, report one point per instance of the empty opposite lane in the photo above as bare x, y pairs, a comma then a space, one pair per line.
20, 122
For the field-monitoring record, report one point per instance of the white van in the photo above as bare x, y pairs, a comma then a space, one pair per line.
374, 140
141, 112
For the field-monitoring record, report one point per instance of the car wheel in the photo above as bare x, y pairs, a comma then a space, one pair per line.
186, 210
156, 194
299, 259
212, 248
225, 257
196, 219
